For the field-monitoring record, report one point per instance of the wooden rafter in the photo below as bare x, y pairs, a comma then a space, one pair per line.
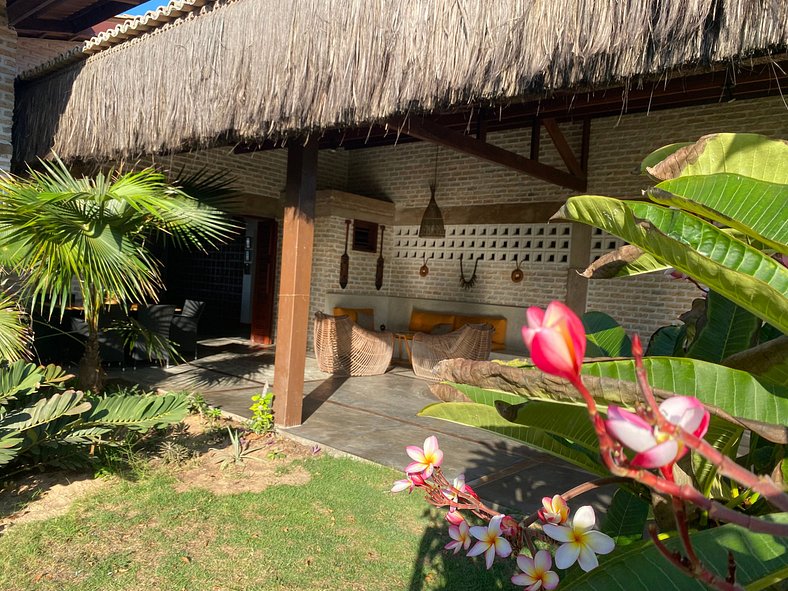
429, 131
563, 147
22, 9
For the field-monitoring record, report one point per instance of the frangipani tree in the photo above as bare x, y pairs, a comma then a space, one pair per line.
718, 213
56, 227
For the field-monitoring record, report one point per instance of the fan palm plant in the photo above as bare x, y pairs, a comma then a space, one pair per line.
96, 231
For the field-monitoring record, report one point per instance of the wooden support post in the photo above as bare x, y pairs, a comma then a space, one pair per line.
481, 125
294, 283
579, 258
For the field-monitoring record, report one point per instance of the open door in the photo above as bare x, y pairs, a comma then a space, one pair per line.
264, 282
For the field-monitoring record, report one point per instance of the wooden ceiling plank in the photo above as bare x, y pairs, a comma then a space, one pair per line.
436, 134
22, 9
563, 147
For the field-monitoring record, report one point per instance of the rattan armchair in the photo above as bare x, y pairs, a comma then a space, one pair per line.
342, 347
471, 341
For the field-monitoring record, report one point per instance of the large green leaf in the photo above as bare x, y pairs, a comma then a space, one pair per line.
625, 520
640, 566
660, 154
747, 154
45, 410
725, 438
605, 337
756, 208
667, 341
739, 272
625, 261
487, 418
728, 392
729, 329
139, 413
768, 361
732, 391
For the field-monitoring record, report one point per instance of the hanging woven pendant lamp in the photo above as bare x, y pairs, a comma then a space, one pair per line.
432, 220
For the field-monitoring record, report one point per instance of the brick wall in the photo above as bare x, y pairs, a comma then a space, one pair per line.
7, 75
402, 174
33, 52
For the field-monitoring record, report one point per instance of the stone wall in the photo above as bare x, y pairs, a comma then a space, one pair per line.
7, 74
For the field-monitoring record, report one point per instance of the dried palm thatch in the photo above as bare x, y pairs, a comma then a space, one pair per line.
254, 69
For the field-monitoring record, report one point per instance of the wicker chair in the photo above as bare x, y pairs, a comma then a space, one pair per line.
342, 347
471, 341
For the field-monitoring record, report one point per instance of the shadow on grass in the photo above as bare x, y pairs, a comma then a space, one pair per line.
455, 571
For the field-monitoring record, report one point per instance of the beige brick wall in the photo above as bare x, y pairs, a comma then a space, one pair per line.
7, 74
33, 52
402, 174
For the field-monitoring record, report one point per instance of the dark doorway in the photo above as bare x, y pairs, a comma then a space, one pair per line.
215, 278
264, 282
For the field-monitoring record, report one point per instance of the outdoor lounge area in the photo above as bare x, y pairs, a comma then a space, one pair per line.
382, 295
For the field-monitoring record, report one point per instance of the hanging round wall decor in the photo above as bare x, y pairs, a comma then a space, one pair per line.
424, 270
517, 274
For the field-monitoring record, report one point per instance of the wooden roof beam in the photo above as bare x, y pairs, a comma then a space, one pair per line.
429, 131
563, 147
22, 9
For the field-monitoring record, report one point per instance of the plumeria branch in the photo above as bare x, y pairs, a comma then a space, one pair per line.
694, 570
763, 485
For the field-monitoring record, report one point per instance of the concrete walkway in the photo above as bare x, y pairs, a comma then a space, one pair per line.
373, 418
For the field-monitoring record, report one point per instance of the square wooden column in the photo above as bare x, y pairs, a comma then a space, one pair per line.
579, 258
294, 283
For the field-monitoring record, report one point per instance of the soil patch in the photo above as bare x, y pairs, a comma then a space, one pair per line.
198, 452
40, 496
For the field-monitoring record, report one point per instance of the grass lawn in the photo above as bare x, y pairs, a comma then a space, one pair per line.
340, 529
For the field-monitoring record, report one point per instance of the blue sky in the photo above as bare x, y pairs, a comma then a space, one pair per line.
146, 6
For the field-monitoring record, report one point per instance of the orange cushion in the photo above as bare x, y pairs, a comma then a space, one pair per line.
497, 322
422, 321
364, 317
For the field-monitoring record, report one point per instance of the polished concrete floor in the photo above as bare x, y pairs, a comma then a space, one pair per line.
372, 418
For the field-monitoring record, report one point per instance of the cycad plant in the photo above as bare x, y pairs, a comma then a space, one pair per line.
96, 231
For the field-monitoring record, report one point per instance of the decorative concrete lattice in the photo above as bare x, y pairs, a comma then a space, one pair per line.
535, 243
602, 243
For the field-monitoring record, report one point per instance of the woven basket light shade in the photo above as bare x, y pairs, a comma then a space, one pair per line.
432, 220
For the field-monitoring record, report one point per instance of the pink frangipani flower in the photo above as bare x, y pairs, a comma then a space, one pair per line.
426, 459
654, 448
554, 510
580, 542
556, 339
454, 517
536, 572
491, 541
408, 483
460, 535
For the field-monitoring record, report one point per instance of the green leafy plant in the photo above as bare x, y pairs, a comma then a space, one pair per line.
731, 354
56, 228
240, 451
43, 423
262, 420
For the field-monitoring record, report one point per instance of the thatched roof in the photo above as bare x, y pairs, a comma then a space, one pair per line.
251, 69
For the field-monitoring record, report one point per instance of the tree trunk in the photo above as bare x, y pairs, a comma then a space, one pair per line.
91, 375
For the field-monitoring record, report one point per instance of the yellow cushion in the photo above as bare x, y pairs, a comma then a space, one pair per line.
423, 321
497, 322
364, 317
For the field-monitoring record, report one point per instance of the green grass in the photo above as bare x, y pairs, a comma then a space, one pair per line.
341, 530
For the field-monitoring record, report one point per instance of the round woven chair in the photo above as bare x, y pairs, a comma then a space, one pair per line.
471, 341
342, 347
